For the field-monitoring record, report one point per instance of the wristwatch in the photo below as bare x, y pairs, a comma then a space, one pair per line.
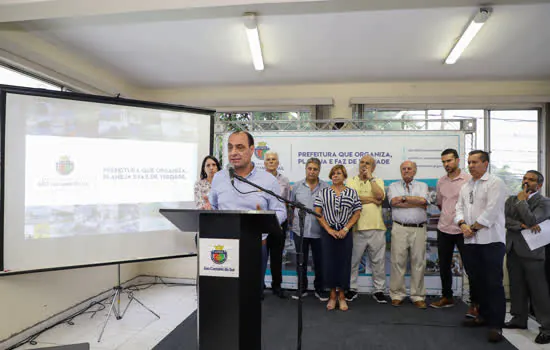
404, 198
345, 229
461, 222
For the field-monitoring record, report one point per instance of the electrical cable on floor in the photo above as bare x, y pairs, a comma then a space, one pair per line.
69, 320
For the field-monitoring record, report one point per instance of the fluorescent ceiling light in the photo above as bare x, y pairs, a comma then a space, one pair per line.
473, 28
253, 36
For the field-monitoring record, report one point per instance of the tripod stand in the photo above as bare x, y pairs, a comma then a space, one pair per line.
116, 309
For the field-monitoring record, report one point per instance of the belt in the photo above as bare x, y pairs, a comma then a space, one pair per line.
410, 225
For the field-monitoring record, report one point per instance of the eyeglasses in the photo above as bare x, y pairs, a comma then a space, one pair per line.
472, 197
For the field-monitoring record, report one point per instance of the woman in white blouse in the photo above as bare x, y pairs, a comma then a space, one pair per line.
209, 167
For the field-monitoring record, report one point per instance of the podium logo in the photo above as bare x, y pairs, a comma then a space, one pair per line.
261, 149
218, 255
64, 165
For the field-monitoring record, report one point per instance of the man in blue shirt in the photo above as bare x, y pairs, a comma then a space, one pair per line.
239, 195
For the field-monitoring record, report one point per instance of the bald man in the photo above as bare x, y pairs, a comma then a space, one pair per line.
408, 199
369, 234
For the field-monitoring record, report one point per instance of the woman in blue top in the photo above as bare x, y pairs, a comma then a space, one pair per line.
340, 208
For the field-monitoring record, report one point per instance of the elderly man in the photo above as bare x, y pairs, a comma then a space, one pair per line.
408, 199
238, 195
480, 216
527, 209
370, 231
276, 243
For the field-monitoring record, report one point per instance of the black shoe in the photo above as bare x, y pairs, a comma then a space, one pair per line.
474, 322
351, 295
495, 335
296, 295
542, 338
380, 298
512, 325
280, 293
321, 295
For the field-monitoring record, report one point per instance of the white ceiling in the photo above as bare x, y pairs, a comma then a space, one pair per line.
331, 41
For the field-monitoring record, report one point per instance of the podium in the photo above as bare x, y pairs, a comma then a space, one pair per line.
230, 275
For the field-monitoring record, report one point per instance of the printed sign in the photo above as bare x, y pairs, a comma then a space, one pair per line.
219, 257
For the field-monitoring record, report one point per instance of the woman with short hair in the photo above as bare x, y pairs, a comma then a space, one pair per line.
340, 208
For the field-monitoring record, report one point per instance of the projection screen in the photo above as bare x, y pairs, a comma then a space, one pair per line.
84, 177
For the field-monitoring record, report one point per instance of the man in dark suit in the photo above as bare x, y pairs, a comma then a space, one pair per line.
526, 266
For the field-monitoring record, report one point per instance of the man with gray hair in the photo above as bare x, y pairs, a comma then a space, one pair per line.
370, 232
276, 243
408, 199
305, 191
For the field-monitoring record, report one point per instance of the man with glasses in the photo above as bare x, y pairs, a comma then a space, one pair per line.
480, 216
525, 210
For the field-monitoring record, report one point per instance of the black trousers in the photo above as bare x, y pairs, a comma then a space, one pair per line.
445, 246
316, 252
275, 247
548, 265
337, 260
486, 265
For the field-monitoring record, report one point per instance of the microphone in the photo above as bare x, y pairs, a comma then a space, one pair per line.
231, 169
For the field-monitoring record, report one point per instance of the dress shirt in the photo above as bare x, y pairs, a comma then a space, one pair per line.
284, 184
302, 193
482, 201
447, 195
224, 196
408, 215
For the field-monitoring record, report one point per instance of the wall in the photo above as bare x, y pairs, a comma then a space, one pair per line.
385, 93
29, 299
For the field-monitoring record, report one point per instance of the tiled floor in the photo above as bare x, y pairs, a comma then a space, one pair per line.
141, 330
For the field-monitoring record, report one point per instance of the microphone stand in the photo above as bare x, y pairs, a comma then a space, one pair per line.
302, 211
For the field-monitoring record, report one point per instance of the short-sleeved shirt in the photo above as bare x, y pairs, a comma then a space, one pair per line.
302, 193
408, 215
337, 210
371, 215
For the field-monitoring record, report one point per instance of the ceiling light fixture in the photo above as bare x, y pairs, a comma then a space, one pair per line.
251, 27
473, 28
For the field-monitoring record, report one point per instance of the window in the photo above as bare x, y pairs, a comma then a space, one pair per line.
514, 145
13, 77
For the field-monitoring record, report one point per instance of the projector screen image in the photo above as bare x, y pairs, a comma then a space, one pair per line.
84, 181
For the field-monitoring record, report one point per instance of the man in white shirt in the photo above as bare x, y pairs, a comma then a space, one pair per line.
480, 216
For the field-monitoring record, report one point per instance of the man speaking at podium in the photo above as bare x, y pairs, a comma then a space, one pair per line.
230, 194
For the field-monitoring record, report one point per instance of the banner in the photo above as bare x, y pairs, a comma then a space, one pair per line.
389, 149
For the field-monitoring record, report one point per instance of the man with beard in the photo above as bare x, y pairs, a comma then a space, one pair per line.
525, 266
448, 234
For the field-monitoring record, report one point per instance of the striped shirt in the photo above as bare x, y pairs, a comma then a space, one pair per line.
337, 210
